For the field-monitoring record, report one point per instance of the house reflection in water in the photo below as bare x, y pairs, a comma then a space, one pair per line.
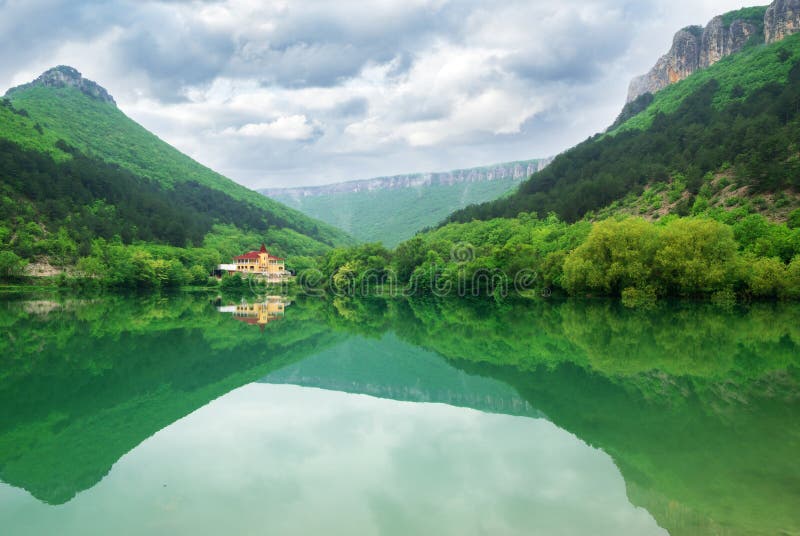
258, 313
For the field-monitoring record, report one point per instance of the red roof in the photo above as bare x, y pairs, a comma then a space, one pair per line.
250, 255
253, 321
255, 254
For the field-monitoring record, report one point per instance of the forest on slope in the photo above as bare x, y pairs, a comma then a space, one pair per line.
126, 206
101, 130
694, 196
740, 117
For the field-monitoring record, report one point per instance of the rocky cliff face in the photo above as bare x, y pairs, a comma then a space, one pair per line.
64, 76
719, 40
681, 61
515, 170
694, 48
781, 19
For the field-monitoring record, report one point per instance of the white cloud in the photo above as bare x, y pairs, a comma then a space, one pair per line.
288, 127
295, 92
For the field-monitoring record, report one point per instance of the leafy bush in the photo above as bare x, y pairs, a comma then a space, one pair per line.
11, 265
793, 221
616, 255
768, 277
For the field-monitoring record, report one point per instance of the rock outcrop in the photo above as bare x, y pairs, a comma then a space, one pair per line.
64, 76
512, 170
719, 40
682, 60
694, 48
781, 19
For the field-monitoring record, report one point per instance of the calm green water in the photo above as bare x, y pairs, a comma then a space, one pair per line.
168, 416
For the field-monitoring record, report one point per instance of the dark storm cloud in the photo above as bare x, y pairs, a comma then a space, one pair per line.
581, 59
306, 64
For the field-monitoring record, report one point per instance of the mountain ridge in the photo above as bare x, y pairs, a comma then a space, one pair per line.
66, 76
87, 194
696, 47
518, 169
65, 106
392, 209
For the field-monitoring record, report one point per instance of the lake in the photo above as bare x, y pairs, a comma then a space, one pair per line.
195, 414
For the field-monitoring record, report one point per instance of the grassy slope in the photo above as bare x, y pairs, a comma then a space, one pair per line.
753, 15
102, 130
391, 216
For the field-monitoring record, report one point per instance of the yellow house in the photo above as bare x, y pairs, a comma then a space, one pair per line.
260, 313
260, 262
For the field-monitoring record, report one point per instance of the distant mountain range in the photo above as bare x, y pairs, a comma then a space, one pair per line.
391, 209
509, 170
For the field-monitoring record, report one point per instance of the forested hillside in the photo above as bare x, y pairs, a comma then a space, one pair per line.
717, 254
708, 167
392, 209
740, 117
100, 129
70, 189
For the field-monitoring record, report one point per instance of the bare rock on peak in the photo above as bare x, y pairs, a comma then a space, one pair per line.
65, 76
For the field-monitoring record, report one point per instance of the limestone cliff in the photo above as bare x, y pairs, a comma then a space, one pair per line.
781, 19
719, 40
696, 48
682, 60
511, 170
64, 76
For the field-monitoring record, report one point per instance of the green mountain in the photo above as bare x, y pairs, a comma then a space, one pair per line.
728, 130
392, 209
73, 163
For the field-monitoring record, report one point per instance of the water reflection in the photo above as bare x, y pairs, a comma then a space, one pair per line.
696, 408
260, 312
289, 460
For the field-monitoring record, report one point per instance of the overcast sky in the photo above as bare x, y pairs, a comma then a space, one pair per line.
311, 92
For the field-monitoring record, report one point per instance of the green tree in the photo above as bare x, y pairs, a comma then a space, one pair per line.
695, 256
768, 278
615, 256
198, 275
11, 265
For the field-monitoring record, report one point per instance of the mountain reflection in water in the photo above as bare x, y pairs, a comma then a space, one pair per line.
695, 406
